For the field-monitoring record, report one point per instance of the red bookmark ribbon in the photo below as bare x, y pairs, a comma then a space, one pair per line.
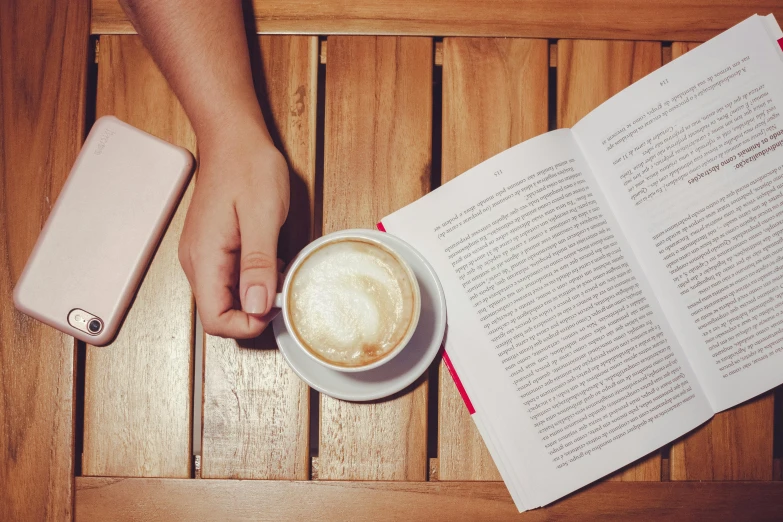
460, 388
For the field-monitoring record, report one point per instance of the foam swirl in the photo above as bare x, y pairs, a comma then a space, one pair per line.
351, 302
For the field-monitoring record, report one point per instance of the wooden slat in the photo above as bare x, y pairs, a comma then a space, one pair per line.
666, 55
494, 96
588, 73
42, 112
680, 48
172, 499
255, 408
734, 445
645, 469
137, 408
377, 150
695, 20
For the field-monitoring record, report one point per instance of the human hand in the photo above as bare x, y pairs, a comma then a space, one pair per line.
228, 247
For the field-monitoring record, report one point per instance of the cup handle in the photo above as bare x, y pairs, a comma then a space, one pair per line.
278, 301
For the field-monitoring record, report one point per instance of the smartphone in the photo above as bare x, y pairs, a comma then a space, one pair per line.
103, 230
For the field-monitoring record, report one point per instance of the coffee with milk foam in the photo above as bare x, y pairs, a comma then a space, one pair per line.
351, 302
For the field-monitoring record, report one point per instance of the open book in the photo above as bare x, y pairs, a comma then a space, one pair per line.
612, 286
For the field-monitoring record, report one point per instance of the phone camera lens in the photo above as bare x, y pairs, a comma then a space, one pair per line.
94, 326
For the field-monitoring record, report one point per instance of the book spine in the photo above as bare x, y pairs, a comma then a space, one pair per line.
458, 383
452, 371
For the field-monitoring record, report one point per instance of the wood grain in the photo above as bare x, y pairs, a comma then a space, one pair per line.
695, 20
494, 96
137, 407
734, 445
645, 469
172, 499
256, 410
42, 112
680, 48
377, 153
589, 73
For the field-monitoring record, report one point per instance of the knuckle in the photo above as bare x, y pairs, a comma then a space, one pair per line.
258, 261
277, 211
217, 328
183, 254
277, 162
249, 333
208, 320
212, 326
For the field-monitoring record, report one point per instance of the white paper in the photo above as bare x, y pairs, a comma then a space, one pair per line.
551, 423
682, 170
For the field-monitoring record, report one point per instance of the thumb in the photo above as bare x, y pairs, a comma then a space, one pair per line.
258, 260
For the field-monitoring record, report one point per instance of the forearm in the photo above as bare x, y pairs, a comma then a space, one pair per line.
201, 48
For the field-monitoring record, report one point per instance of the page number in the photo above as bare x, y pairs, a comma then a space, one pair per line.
664, 82
498, 172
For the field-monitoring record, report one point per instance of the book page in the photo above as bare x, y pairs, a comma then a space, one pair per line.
560, 345
691, 161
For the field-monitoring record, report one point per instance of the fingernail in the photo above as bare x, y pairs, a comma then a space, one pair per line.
255, 300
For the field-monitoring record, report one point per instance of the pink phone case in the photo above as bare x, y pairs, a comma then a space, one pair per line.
103, 229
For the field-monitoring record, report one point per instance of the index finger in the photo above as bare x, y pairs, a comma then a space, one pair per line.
215, 283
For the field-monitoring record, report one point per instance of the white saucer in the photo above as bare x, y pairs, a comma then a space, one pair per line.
404, 368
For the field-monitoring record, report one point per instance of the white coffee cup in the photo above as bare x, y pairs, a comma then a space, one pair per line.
366, 243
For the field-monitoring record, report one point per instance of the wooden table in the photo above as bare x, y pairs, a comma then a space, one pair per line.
368, 124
